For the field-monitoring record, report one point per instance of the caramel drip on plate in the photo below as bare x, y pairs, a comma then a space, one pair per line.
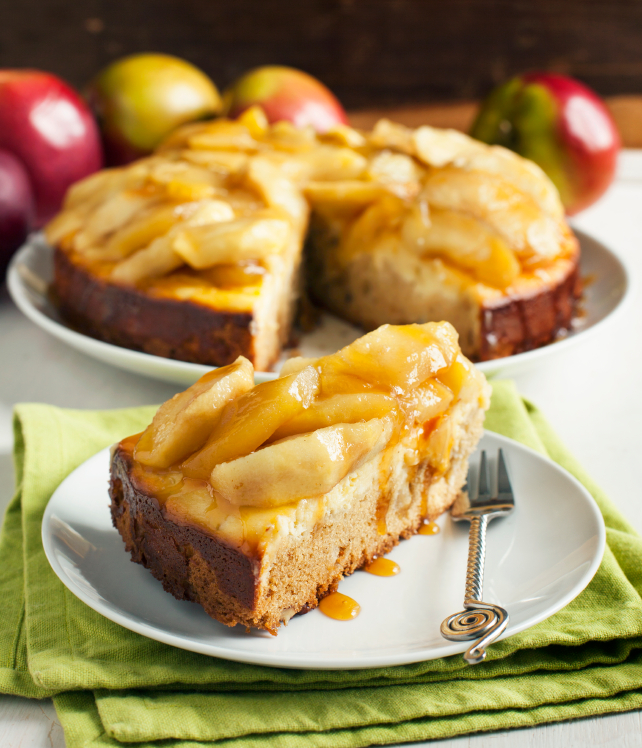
429, 528
382, 567
340, 607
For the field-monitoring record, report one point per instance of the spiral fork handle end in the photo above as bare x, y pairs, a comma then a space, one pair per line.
481, 621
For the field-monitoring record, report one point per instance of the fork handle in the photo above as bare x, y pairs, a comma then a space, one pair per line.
479, 620
476, 558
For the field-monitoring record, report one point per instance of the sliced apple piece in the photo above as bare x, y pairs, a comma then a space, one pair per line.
114, 213
252, 418
300, 467
512, 214
222, 162
401, 356
155, 261
467, 242
139, 232
427, 401
337, 409
387, 134
295, 364
183, 424
276, 189
223, 135
393, 167
231, 241
350, 194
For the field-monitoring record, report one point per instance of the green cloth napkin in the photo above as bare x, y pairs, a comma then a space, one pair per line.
112, 686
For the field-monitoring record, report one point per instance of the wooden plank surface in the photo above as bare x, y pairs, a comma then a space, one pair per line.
376, 53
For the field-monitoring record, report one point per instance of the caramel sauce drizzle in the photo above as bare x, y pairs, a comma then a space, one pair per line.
339, 607
383, 567
429, 528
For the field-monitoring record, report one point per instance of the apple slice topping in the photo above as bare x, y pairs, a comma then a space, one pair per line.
183, 424
251, 419
465, 241
337, 409
231, 241
401, 356
302, 466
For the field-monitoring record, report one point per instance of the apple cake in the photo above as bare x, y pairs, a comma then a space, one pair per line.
195, 252
256, 500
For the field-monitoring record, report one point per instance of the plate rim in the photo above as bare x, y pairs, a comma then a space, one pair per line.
326, 663
180, 372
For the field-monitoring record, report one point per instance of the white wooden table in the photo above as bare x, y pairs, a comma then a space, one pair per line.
591, 393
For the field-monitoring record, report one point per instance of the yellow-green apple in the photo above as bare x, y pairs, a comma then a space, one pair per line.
560, 124
285, 94
139, 100
47, 126
17, 209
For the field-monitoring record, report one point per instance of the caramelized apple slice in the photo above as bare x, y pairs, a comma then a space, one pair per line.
223, 135
221, 162
295, 364
182, 424
114, 213
440, 148
512, 214
393, 167
427, 401
465, 241
232, 241
387, 134
401, 356
329, 162
252, 418
154, 261
348, 194
300, 467
276, 189
344, 135
139, 232
255, 120
337, 409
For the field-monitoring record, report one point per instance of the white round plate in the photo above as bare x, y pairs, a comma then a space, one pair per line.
538, 559
31, 273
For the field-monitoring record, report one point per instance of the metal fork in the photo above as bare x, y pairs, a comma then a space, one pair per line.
479, 620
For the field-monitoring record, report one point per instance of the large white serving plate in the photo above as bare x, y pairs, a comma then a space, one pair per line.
538, 559
31, 273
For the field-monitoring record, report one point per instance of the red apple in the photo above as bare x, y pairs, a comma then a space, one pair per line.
47, 126
17, 209
560, 124
285, 94
139, 100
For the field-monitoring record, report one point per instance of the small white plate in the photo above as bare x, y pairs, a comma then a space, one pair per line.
31, 273
538, 559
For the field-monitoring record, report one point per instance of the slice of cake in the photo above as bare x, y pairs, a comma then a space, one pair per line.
194, 253
255, 501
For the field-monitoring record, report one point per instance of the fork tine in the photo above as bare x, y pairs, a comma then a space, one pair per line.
504, 488
483, 491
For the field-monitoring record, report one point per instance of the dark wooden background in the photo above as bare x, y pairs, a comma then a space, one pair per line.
370, 52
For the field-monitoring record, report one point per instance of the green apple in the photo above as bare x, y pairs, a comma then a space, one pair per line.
560, 124
140, 100
285, 94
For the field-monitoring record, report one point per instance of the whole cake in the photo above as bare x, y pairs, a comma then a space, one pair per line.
255, 501
195, 252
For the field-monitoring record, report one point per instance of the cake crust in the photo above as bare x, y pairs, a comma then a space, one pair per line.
130, 318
